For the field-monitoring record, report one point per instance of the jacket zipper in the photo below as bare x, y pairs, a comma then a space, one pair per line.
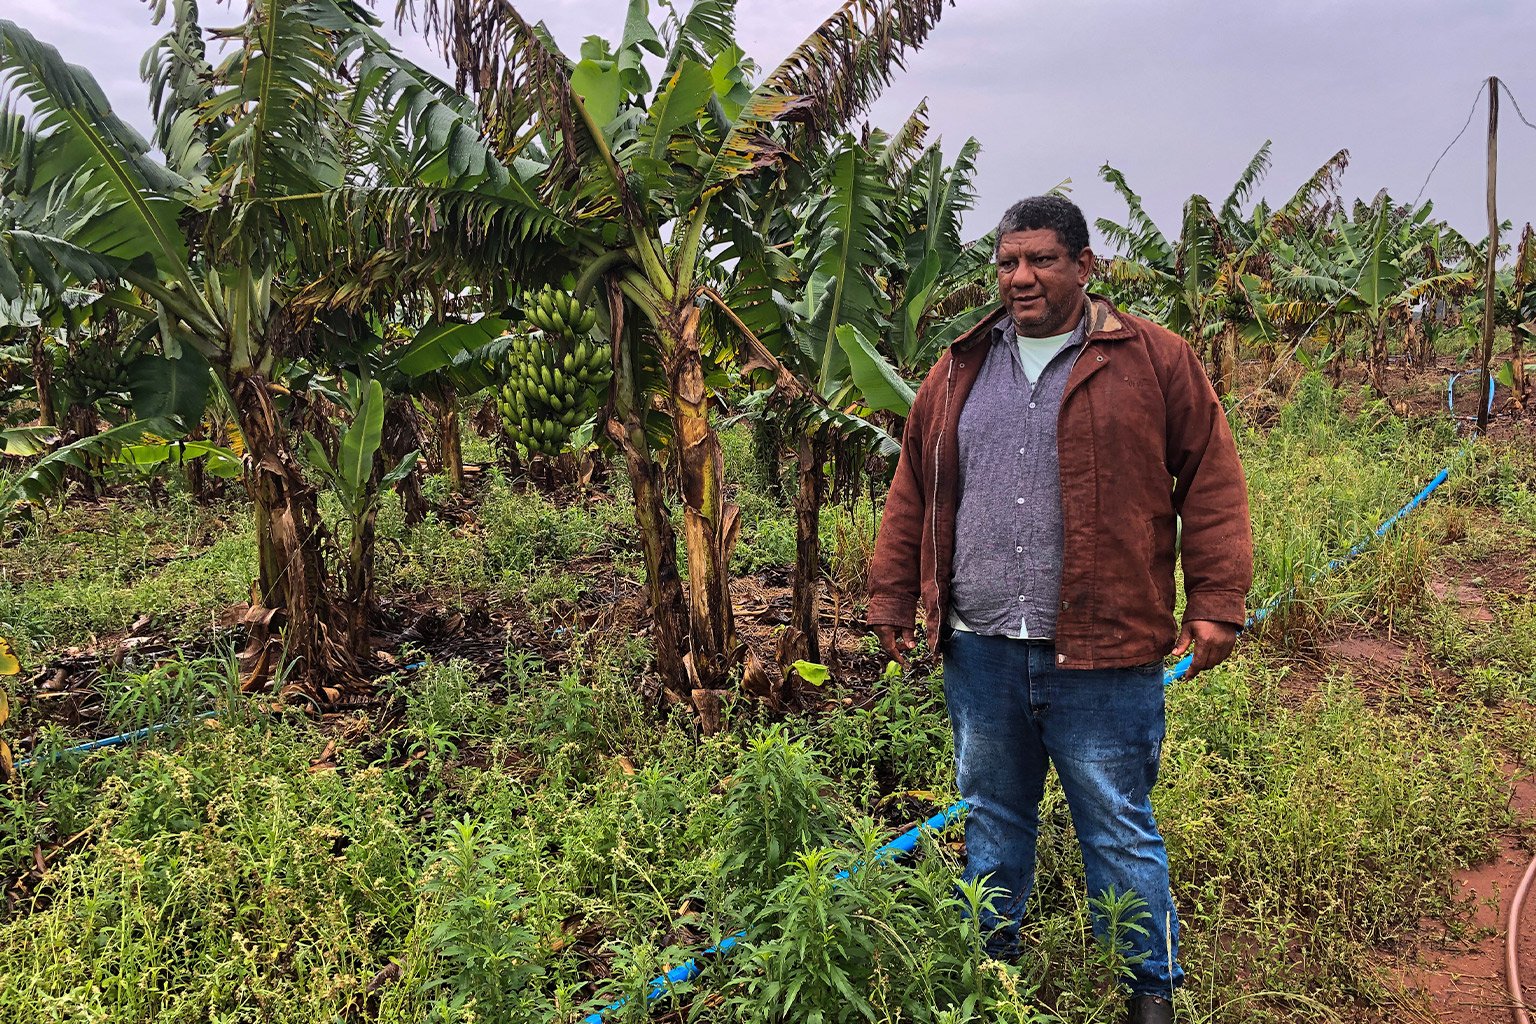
938, 447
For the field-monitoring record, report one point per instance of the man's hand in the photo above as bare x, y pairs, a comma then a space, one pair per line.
1212, 640
896, 642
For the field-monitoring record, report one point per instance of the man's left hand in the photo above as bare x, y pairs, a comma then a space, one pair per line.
1212, 641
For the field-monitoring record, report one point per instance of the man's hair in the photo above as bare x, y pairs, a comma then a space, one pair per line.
1059, 214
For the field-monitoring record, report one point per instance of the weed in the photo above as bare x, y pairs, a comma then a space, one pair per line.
485, 955
775, 806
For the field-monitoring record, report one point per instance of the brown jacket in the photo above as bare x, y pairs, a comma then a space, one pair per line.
1141, 437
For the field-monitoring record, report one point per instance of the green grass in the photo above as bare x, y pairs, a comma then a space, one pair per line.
84, 573
527, 848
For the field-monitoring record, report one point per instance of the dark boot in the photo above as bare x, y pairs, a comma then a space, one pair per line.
1149, 1010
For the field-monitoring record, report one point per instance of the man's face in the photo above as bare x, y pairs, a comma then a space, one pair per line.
1041, 285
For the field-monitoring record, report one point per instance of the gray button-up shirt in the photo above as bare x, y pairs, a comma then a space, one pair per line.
1008, 530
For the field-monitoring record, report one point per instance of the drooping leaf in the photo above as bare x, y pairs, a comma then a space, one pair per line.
100, 162
707, 31
219, 461
158, 386
436, 345
881, 387
45, 478
315, 452
401, 471
27, 441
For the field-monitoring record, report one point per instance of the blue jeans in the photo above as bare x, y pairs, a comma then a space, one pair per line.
1013, 710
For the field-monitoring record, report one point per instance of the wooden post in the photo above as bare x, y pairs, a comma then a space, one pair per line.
1486, 391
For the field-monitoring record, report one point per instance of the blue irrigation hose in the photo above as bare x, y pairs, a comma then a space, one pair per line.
1450, 393
113, 741
907, 841
1263, 611
144, 733
691, 968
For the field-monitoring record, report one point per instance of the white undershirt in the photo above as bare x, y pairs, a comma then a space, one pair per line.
1036, 353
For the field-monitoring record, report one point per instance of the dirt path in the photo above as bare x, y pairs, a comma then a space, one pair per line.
1456, 975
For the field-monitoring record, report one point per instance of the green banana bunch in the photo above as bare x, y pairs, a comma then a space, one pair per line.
551, 382
558, 312
99, 368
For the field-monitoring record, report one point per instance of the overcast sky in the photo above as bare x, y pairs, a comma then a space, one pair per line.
1176, 93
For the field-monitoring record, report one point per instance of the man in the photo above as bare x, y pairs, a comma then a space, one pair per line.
1033, 515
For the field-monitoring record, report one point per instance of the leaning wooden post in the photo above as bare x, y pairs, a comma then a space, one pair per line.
1486, 391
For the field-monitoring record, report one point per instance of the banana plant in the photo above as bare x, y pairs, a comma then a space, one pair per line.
1517, 312
1379, 261
352, 473
262, 221
1212, 284
650, 179
871, 254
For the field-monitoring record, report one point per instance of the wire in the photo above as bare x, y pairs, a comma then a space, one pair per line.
1470, 114
1333, 304
1518, 112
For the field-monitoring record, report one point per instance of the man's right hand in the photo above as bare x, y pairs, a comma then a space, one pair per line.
896, 642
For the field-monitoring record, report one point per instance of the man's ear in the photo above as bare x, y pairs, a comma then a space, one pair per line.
1085, 263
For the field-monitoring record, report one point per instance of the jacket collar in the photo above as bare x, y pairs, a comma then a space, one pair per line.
1104, 324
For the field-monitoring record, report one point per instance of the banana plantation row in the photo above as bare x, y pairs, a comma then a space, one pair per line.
324, 252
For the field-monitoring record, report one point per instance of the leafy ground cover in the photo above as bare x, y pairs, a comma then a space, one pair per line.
516, 829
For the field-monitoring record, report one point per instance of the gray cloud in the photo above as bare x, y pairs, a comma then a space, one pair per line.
1176, 93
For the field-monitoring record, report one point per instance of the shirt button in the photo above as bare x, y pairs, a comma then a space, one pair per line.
1031, 405
1021, 598
1018, 551
1023, 451
1060, 658
1019, 500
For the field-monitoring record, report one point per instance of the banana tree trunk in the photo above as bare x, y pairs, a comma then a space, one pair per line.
289, 539
1224, 360
658, 543
80, 421
1379, 357
659, 546
194, 473
710, 524
1337, 339
451, 441
42, 381
403, 435
812, 454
